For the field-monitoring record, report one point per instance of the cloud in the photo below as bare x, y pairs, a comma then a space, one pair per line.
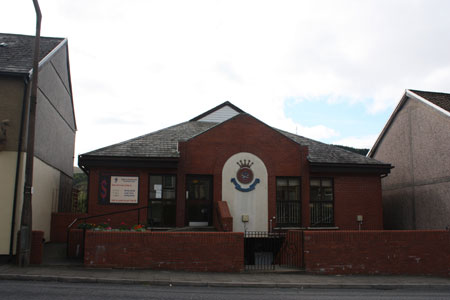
357, 142
317, 132
163, 62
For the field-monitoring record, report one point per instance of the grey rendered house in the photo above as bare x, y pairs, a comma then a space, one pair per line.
54, 136
416, 141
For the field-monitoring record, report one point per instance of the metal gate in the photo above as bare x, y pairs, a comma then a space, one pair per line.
264, 250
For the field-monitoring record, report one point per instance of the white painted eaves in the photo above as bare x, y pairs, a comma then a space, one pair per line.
410, 93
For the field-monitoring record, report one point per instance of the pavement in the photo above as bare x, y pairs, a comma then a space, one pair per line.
55, 267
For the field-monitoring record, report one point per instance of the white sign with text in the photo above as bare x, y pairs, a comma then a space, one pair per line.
124, 189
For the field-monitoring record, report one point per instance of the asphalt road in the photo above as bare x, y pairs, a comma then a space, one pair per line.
78, 291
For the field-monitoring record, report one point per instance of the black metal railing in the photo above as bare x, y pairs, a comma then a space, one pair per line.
289, 213
321, 214
261, 249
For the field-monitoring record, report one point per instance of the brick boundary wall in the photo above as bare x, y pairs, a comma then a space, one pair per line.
424, 252
75, 246
59, 223
188, 251
37, 243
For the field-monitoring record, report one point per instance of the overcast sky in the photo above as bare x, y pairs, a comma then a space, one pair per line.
329, 70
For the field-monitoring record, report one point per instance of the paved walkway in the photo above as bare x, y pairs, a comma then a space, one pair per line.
73, 273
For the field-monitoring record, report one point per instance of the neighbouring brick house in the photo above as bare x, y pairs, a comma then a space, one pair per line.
225, 168
54, 133
416, 140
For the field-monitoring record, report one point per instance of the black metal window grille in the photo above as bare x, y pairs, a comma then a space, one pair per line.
321, 202
289, 201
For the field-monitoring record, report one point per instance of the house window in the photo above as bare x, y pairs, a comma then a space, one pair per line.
321, 202
289, 201
162, 200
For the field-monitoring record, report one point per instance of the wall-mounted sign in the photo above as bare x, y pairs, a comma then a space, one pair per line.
118, 189
124, 189
245, 177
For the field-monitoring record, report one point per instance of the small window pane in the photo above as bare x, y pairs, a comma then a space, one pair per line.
327, 183
282, 182
156, 212
314, 193
169, 181
314, 182
294, 182
282, 193
327, 194
168, 194
155, 182
294, 193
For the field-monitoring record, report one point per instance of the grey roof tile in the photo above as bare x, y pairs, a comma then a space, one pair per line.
329, 154
158, 144
164, 143
16, 51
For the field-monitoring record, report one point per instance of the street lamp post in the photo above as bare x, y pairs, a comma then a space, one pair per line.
26, 220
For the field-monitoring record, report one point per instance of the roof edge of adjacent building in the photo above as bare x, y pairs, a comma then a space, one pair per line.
406, 95
412, 93
61, 42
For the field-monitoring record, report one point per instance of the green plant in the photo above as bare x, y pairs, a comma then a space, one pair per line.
105, 226
102, 226
123, 226
86, 226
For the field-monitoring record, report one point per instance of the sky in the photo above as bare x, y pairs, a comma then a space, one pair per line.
332, 71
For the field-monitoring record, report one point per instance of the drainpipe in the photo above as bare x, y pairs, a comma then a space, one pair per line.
19, 156
26, 222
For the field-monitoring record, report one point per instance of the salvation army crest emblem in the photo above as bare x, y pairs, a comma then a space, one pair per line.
244, 180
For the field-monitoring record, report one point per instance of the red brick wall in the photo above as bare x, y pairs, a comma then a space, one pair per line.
75, 245
189, 251
37, 243
358, 195
59, 223
377, 252
224, 220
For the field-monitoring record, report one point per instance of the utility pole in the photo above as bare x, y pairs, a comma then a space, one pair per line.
26, 221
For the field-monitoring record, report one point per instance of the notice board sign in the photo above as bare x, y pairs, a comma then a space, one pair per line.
114, 189
124, 189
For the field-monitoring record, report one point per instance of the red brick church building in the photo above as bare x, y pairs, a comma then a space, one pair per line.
227, 169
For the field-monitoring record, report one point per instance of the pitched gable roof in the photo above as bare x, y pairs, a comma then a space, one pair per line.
16, 52
164, 144
438, 101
